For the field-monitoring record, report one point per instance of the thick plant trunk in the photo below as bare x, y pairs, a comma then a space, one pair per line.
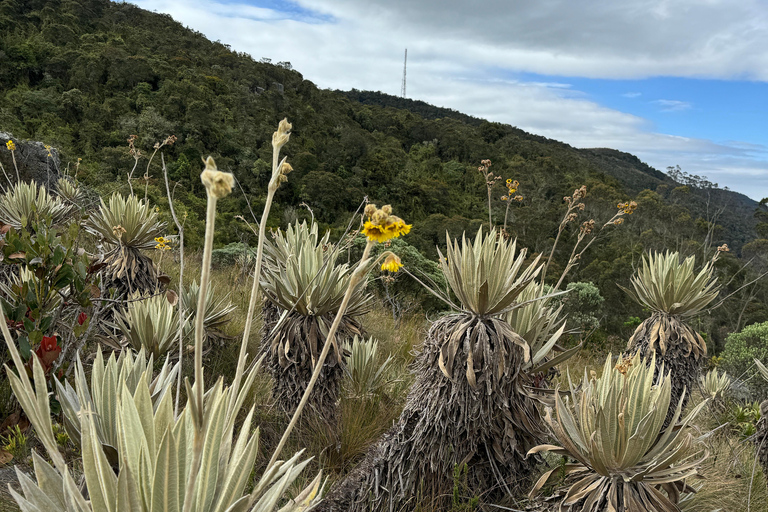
447, 423
143, 276
761, 438
291, 354
669, 338
270, 314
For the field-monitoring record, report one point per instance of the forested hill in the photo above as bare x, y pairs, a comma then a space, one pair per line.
84, 75
633, 174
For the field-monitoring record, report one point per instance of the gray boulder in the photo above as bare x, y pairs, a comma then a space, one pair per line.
32, 159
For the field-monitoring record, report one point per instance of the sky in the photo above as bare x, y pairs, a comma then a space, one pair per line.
675, 82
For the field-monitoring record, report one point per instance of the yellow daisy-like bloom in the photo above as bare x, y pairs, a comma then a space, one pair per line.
375, 232
397, 227
391, 264
382, 225
10, 145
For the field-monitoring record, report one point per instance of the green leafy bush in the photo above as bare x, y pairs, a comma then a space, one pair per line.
741, 348
582, 306
231, 254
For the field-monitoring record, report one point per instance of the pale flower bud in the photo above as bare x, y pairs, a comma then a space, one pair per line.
379, 218
387, 209
285, 168
218, 184
283, 133
370, 210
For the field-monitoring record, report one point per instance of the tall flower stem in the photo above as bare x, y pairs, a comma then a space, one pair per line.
354, 280
279, 138
15, 166
217, 184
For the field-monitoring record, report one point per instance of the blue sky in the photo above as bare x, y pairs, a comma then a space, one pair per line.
719, 110
676, 82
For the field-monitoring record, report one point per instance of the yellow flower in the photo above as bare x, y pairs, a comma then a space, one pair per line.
512, 191
375, 232
10, 145
391, 263
397, 227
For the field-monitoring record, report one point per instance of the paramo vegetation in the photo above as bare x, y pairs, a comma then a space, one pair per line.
379, 305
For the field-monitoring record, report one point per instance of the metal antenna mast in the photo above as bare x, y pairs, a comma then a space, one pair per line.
405, 62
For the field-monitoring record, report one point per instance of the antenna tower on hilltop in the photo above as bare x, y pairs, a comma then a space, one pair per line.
405, 62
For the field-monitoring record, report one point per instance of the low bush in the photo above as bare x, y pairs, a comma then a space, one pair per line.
741, 349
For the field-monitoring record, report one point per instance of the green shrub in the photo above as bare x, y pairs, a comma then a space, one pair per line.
741, 348
582, 306
231, 254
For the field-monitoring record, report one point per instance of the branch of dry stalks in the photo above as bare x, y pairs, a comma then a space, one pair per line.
568, 217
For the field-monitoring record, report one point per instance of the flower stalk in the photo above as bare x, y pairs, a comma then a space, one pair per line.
217, 185
280, 170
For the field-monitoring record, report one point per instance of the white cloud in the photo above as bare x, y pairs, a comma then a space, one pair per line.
672, 105
466, 57
632, 94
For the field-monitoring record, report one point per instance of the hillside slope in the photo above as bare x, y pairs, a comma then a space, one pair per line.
84, 75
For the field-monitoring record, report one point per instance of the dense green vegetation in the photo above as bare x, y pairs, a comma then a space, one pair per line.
83, 76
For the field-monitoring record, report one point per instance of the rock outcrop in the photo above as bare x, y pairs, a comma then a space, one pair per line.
33, 160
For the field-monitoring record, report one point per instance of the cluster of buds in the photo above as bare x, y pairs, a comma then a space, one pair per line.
628, 208
118, 230
132, 149
490, 178
48, 149
573, 200
587, 227
218, 184
382, 225
167, 142
512, 187
723, 248
10, 145
624, 365
484, 165
163, 244
281, 136
285, 169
